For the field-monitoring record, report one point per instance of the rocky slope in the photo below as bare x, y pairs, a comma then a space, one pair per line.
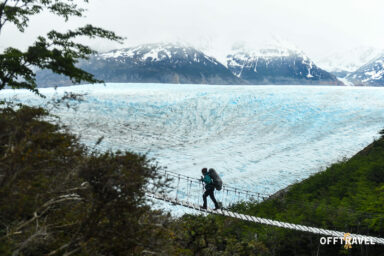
371, 74
277, 66
151, 63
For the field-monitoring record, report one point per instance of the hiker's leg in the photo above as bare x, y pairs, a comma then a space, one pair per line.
205, 198
212, 196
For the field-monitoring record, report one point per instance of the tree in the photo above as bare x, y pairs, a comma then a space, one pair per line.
58, 52
58, 197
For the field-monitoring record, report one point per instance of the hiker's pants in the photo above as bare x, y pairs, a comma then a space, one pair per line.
209, 192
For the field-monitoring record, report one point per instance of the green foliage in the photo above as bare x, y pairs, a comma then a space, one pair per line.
376, 173
57, 197
215, 236
58, 52
348, 196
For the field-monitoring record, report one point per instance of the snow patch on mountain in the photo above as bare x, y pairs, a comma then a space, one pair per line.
151, 63
276, 64
376, 73
371, 74
345, 81
158, 52
243, 56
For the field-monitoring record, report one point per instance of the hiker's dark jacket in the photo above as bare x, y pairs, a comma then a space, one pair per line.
208, 181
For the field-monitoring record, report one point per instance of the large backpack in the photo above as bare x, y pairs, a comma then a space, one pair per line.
217, 182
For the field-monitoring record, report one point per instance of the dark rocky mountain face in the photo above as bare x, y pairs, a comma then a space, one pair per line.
277, 66
152, 63
371, 74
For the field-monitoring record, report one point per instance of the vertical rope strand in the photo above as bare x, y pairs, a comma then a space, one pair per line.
177, 187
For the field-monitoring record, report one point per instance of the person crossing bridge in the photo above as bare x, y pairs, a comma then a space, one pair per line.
209, 188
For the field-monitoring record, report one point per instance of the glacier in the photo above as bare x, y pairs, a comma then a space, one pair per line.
260, 138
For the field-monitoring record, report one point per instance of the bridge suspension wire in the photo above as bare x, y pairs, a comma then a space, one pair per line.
186, 187
254, 219
239, 194
228, 195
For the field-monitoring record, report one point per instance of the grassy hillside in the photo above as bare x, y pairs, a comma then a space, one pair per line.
347, 196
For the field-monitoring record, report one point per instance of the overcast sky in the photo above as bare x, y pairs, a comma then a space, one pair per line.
318, 27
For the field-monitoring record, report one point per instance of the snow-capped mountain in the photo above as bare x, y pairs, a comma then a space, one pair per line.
152, 63
371, 74
277, 65
180, 64
343, 63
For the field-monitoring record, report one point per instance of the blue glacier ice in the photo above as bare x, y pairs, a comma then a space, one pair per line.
261, 138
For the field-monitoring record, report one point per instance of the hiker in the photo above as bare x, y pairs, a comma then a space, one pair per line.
209, 189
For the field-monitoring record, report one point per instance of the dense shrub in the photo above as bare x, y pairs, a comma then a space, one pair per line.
376, 173
348, 196
57, 197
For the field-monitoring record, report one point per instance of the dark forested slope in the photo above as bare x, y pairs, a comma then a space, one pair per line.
348, 196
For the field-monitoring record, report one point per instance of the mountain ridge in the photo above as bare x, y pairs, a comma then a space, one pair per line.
277, 66
370, 74
182, 64
151, 63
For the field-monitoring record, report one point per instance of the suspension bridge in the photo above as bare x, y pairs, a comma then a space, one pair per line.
188, 193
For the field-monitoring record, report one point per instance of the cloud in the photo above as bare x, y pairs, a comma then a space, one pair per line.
316, 27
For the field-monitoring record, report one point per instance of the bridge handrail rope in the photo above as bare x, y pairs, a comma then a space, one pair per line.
245, 192
254, 219
233, 191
